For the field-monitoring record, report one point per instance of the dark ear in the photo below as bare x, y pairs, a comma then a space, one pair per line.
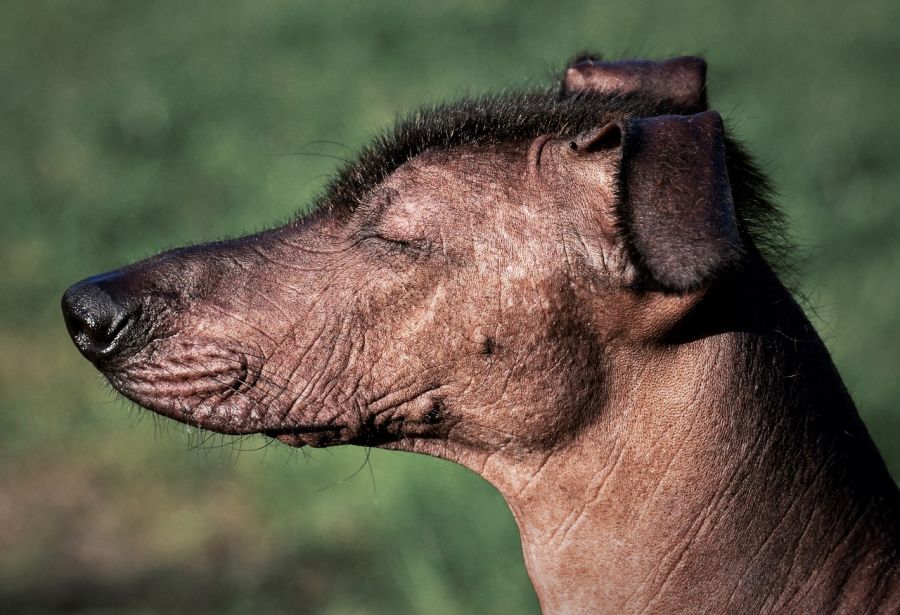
674, 204
681, 80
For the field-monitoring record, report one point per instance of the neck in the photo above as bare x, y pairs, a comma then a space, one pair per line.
730, 472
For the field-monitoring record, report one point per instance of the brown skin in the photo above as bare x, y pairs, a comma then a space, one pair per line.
690, 451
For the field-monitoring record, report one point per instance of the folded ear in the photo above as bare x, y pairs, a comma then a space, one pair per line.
681, 80
674, 206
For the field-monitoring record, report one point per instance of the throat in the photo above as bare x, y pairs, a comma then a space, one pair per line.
729, 473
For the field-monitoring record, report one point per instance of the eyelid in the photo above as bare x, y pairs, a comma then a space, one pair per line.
413, 248
370, 230
375, 206
404, 243
371, 227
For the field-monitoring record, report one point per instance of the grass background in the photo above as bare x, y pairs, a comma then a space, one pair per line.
127, 126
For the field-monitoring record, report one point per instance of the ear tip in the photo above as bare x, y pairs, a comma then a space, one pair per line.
710, 116
695, 63
574, 79
681, 80
711, 123
584, 58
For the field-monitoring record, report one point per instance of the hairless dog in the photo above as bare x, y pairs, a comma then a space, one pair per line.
571, 292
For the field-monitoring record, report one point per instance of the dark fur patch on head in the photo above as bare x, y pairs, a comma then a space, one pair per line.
488, 120
518, 117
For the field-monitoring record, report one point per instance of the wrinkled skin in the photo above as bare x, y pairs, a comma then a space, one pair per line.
452, 342
330, 331
483, 304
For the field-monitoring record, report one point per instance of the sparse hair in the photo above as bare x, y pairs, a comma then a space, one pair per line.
521, 116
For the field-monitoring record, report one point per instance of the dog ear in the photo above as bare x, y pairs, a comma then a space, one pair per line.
673, 206
681, 80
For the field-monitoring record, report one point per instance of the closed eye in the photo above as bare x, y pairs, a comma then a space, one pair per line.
414, 247
372, 227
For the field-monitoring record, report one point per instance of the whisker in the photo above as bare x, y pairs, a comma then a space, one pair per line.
235, 439
206, 436
266, 444
351, 476
327, 142
317, 155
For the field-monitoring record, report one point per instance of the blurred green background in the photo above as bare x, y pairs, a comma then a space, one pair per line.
129, 126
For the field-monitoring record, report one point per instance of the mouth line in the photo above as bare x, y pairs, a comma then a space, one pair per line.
317, 436
176, 407
299, 430
273, 432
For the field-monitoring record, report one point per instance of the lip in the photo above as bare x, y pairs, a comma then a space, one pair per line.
300, 430
316, 436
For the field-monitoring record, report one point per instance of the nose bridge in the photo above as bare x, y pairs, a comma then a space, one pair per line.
173, 279
119, 311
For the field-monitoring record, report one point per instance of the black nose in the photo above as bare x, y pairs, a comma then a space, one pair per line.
95, 320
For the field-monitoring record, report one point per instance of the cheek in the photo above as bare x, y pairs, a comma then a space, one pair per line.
532, 383
564, 384
435, 332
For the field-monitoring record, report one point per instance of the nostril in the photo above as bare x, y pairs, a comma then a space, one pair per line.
93, 318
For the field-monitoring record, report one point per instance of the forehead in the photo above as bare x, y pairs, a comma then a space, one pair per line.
465, 171
476, 123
